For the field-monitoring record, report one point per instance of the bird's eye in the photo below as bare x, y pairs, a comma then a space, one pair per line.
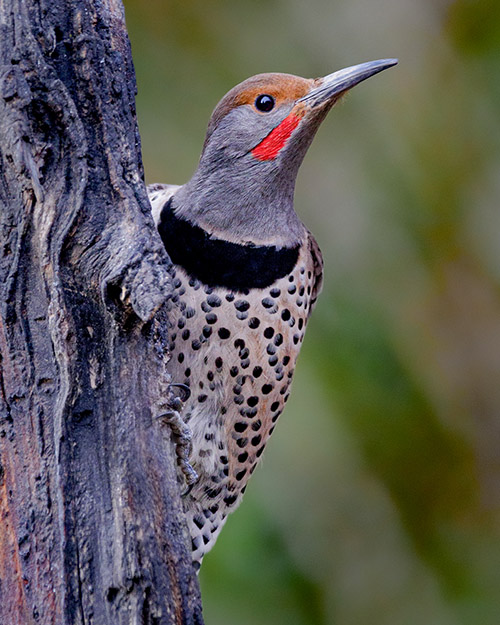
264, 103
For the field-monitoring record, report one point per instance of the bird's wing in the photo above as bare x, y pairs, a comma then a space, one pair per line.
317, 260
158, 195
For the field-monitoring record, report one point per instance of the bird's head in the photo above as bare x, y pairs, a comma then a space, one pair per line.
274, 117
256, 140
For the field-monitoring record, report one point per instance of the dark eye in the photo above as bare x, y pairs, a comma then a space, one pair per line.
264, 103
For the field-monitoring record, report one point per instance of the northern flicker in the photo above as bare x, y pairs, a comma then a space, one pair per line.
246, 274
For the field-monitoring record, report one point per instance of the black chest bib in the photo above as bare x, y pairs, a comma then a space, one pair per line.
219, 263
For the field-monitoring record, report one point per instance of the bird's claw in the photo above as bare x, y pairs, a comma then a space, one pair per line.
184, 388
170, 413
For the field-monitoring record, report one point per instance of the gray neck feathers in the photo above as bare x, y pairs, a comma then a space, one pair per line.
241, 206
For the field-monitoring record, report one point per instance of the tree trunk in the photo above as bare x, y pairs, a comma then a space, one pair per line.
91, 523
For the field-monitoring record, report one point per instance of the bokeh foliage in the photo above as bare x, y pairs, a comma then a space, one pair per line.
378, 500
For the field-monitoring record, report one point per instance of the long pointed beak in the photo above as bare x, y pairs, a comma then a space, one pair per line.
343, 80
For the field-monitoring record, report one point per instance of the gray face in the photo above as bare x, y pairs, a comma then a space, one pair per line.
242, 129
239, 197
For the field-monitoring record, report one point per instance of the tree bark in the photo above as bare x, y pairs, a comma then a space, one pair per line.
91, 523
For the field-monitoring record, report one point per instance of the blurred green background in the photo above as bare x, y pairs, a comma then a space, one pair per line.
378, 500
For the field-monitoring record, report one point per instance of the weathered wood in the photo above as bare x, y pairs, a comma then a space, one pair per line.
91, 525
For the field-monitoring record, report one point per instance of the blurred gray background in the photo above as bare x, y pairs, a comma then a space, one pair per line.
378, 498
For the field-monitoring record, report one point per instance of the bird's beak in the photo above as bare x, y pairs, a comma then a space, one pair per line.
330, 87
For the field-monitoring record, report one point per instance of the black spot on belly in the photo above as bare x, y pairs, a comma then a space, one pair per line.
213, 492
242, 305
254, 323
285, 315
214, 301
257, 372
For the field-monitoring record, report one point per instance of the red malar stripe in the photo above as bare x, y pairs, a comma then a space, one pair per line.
270, 147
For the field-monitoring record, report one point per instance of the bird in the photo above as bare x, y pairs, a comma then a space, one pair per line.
246, 274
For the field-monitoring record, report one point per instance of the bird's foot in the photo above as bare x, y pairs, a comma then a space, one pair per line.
169, 413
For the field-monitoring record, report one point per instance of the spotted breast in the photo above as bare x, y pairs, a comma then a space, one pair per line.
234, 342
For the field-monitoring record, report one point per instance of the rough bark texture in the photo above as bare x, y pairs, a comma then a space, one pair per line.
91, 528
